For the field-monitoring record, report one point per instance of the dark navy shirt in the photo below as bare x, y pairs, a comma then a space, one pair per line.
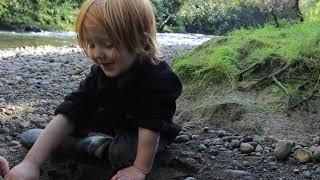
144, 96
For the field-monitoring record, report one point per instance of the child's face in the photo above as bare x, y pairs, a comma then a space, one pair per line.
102, 51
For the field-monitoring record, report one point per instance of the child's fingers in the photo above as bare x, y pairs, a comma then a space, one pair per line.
4, 166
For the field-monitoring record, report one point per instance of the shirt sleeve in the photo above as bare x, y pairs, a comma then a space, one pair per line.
79, 105
157, 102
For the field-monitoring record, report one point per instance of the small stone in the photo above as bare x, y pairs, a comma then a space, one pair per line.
4, 130
8, 112
14, 143
190, 178
3, 151
283, 149
182, 138
234, 143
202, 147
205, 129
218, 141
238, 174
296, 147
306, 174
296, 171
316, 153
246, 148
195, 136
259, 148
304, 168
213, 152
24, 124
316, 140
221, 133
302, 155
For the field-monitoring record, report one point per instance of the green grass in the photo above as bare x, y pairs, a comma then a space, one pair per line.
222, 60
9, 41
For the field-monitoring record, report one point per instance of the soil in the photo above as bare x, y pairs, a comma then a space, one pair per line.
30, 91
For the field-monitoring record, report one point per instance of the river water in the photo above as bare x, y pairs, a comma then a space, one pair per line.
165, 39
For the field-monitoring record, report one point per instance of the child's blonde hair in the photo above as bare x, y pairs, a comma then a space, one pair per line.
128, 22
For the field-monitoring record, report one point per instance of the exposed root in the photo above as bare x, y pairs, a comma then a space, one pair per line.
246, 70
291, 101
269, 77
313, 94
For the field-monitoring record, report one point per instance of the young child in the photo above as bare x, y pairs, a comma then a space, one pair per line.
129, 94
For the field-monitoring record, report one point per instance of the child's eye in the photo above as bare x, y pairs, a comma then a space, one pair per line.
108, 45
91, 45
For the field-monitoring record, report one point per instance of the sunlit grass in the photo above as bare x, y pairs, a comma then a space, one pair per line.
218, 61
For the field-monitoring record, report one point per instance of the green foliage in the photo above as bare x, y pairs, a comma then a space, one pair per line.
43, 14
223, 60
166, 14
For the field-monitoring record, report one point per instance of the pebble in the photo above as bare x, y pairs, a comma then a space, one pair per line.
14, 143
205, 129
246, 148
213, 152
238, 174
306, 174
202, 147
296, 171
221, 133
259, 148
234, 143
190, 178
283, 149
3, 152
303, 155
316, 153
182, 138
4, 130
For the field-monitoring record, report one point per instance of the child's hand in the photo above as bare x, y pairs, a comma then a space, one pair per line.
4, 166
25, 170
129, 173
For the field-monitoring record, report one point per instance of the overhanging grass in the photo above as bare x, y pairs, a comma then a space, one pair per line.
223, 60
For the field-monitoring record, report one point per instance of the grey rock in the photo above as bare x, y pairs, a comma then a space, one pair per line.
221, 133
182, 138
316, 153
213, 152
283, 149
296, 171
246, 148
259, 148
306, 174
316, 140
190, 178
4, 130
29, 137
14, 143
3, 151
218, 141
296, 147
202, 147
205, 129
238, 174
234, 143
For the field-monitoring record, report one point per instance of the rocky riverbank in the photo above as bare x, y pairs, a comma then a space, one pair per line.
34, 80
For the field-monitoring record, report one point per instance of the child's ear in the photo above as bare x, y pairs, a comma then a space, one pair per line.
146, 41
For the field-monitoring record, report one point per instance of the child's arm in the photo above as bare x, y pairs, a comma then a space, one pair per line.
51, 137
147, 147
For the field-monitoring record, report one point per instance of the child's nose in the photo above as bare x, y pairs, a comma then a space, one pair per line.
98, 53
